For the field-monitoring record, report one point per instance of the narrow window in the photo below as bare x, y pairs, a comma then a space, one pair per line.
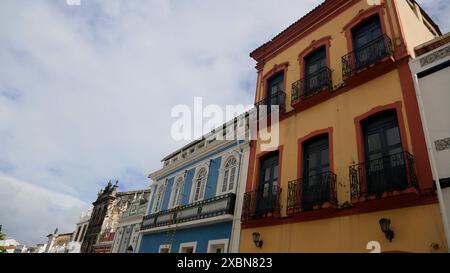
385, 166
275, 90
368, 43
199, 186
316, 72
316, 166
229, 174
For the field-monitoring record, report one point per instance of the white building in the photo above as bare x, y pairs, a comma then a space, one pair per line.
58, 243
74, 245
431, 73
39, 248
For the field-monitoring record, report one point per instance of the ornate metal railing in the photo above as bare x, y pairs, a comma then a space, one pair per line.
215, 206
311, 84
275, 100
311, 192
371, 53
386, 174
261, 203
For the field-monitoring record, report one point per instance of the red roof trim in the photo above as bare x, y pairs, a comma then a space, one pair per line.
297, 27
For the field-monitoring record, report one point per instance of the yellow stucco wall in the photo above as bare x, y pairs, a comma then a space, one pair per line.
415, 229
416, 33
333, 28
339, 113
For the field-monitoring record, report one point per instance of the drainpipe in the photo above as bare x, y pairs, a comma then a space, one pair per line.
433, 162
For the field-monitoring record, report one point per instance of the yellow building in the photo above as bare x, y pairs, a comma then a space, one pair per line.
351, 157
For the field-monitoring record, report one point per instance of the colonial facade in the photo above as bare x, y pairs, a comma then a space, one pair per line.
351, 168
196, 198
107, 210
127, 233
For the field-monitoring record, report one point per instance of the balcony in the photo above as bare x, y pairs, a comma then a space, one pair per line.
311, 193
262, 203
311, 85
366, 56
277, 99
216, 206
388, 174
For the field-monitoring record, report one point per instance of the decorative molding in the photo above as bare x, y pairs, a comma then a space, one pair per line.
434, 57
222, 169
442, 144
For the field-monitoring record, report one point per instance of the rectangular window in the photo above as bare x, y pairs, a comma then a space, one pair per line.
218, 246
316, 167
267, 197
368, 43
316, 73
165, 248
385, 167
275, 91
188, 247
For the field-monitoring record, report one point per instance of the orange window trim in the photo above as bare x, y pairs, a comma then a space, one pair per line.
327, 131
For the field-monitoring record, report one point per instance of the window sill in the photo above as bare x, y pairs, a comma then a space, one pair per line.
409, 190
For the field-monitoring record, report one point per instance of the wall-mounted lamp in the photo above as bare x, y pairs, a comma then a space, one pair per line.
257, 239
385, 224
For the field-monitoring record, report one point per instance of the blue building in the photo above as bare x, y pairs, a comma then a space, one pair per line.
196, 198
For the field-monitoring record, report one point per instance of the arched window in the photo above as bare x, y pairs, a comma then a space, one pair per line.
158, 199
229, 174
175, 197
199, 185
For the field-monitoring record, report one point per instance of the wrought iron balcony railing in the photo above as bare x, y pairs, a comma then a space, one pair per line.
311, 84
367, 55
275, 100
261, 203
387, 174
311, 192
215, 206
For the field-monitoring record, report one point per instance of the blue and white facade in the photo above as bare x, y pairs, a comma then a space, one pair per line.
196, 199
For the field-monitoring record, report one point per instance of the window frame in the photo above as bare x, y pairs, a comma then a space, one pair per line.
212, 243
187, 245
300, 148
263, 93
202, 186
397, 106
223, 169
360, 18
178, 179
161, 189
165, 246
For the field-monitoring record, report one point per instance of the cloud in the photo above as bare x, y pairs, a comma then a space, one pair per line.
31, 212
439, 11
86, 91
